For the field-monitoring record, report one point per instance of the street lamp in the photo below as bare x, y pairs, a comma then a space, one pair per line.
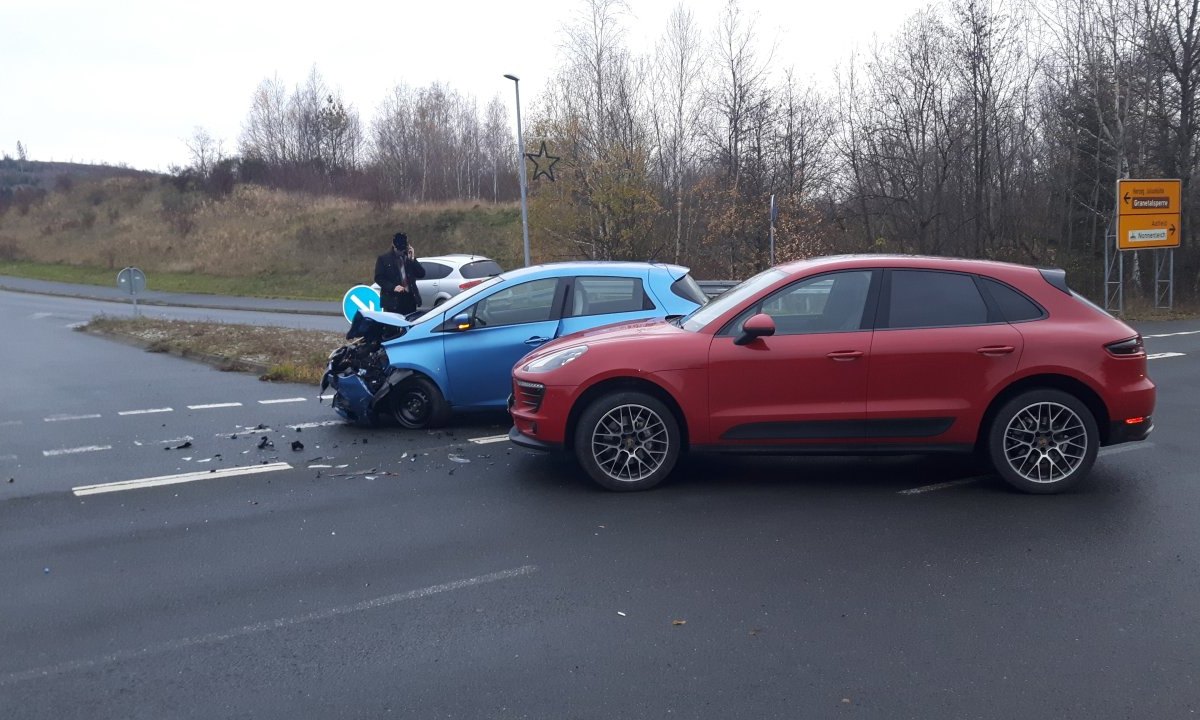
521, 161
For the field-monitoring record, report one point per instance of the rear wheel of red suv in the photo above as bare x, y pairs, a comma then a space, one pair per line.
1043, 441
627, 441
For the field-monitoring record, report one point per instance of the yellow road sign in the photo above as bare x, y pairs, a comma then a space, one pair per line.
1141, 232
1148, 197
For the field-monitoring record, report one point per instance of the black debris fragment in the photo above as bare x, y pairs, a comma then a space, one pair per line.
299, 429
297, 446
12, 480
364, 441
260, 426
265, 442
183, 446
233, 437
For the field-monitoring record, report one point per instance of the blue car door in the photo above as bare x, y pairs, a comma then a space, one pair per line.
603, 299
502, 328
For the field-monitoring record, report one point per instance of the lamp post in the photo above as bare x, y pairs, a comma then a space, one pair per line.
521, 160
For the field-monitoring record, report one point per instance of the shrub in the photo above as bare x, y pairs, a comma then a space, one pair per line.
179, 210
87, 218
64, 183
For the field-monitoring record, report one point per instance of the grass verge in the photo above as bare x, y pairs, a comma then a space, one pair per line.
277, 354
292, 287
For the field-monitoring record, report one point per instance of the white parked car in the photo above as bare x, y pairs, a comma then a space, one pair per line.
448, 275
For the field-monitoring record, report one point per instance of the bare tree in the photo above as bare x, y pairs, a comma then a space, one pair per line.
205, 151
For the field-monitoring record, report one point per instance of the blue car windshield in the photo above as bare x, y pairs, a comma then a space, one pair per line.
458, 300
703, 315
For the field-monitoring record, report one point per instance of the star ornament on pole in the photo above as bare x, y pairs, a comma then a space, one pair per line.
543, 163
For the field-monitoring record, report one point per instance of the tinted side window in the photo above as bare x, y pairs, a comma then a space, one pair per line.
479, 269
525, 303
435, 271
927, 298
828, 303
1014, 306
606, 295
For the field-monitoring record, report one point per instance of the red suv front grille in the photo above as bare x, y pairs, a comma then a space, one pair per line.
529, 394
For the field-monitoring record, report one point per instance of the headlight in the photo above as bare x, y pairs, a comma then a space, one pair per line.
555, 360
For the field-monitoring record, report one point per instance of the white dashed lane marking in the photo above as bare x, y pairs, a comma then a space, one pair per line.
1160, 356
1174, 334
177, 479
1118, 449
76, 451
11, 423
214, 406
62, 418
149, 411
281, 400
938, 486
490, 439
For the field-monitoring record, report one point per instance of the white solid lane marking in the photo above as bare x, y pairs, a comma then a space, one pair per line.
280, 400
76, 451
260, 627
176, 479
146, 412
490, 439
213, 406
325, 397
1160, 356
1117, 449
939, 486
1174, 334
61, 418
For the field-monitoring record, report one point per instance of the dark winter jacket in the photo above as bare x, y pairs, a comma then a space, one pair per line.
388, 276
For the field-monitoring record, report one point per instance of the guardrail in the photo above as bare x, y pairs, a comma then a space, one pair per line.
713, 288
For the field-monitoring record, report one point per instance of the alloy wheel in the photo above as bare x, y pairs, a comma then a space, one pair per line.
1045, 442
630, 442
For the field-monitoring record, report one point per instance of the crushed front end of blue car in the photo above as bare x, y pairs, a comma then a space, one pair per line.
359, 371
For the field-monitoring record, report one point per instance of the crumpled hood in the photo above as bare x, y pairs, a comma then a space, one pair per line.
386, 318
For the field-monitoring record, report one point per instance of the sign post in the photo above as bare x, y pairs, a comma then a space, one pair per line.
133, 281
1149, 217
774, 214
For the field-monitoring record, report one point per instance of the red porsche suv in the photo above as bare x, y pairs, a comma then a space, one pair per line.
849, 355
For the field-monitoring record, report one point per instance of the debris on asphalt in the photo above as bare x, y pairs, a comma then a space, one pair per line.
621, 613
297, 446
340, 467
314, 467
458, 459
678, 622
370, 477
404, 456
12, 480
265, 443
183, 446
364, 441
259, 426
45, 571
233, 437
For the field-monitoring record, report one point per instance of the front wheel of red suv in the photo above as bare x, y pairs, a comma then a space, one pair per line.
627, 441
1043, 441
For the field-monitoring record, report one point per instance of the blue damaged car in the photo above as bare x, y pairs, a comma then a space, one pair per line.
460, 355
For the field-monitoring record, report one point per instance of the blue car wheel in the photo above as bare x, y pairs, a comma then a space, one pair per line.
417, 403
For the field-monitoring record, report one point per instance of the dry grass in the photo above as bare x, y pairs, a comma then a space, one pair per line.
287, 355
290, 244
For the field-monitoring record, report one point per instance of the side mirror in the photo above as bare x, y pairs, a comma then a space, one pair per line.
461, 322
760, 325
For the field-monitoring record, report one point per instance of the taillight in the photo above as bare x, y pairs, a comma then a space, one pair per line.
1127, 348
469, 284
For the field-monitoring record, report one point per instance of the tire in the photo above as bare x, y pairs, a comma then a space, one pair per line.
417, 403
1043, 441
651, 438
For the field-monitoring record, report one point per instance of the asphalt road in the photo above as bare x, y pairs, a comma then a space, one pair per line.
411, 584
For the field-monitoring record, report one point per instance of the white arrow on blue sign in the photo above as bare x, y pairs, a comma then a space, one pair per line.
359, 297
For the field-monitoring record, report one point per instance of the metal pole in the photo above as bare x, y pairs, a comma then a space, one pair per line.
1171, 280
521, 161
772, 230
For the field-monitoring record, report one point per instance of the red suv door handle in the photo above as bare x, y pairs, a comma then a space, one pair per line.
996, 350
844, 355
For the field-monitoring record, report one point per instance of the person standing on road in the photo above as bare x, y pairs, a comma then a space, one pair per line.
396, 274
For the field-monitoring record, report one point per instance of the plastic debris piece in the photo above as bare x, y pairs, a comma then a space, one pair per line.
364, 441
265, 442
342, 467
45, 571
621, 613
458, 459
297, 446
679, 622
233, 437
370, 477
404, 456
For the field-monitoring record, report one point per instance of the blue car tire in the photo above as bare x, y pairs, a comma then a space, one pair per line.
418, 403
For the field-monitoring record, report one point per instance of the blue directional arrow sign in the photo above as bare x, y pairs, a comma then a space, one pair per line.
360, 297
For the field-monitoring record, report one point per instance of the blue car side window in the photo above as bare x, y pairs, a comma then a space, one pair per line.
525, 303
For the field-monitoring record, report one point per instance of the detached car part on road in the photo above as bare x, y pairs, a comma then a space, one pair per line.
850, 355
459, 355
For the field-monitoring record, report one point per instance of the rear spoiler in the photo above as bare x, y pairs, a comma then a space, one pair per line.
1056, 277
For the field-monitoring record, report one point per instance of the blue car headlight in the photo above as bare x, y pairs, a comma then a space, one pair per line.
555, 360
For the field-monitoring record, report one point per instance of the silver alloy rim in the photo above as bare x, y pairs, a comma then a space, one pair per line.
1045, 442
630, 442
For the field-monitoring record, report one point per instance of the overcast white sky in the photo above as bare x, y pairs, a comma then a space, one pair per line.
128, 81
